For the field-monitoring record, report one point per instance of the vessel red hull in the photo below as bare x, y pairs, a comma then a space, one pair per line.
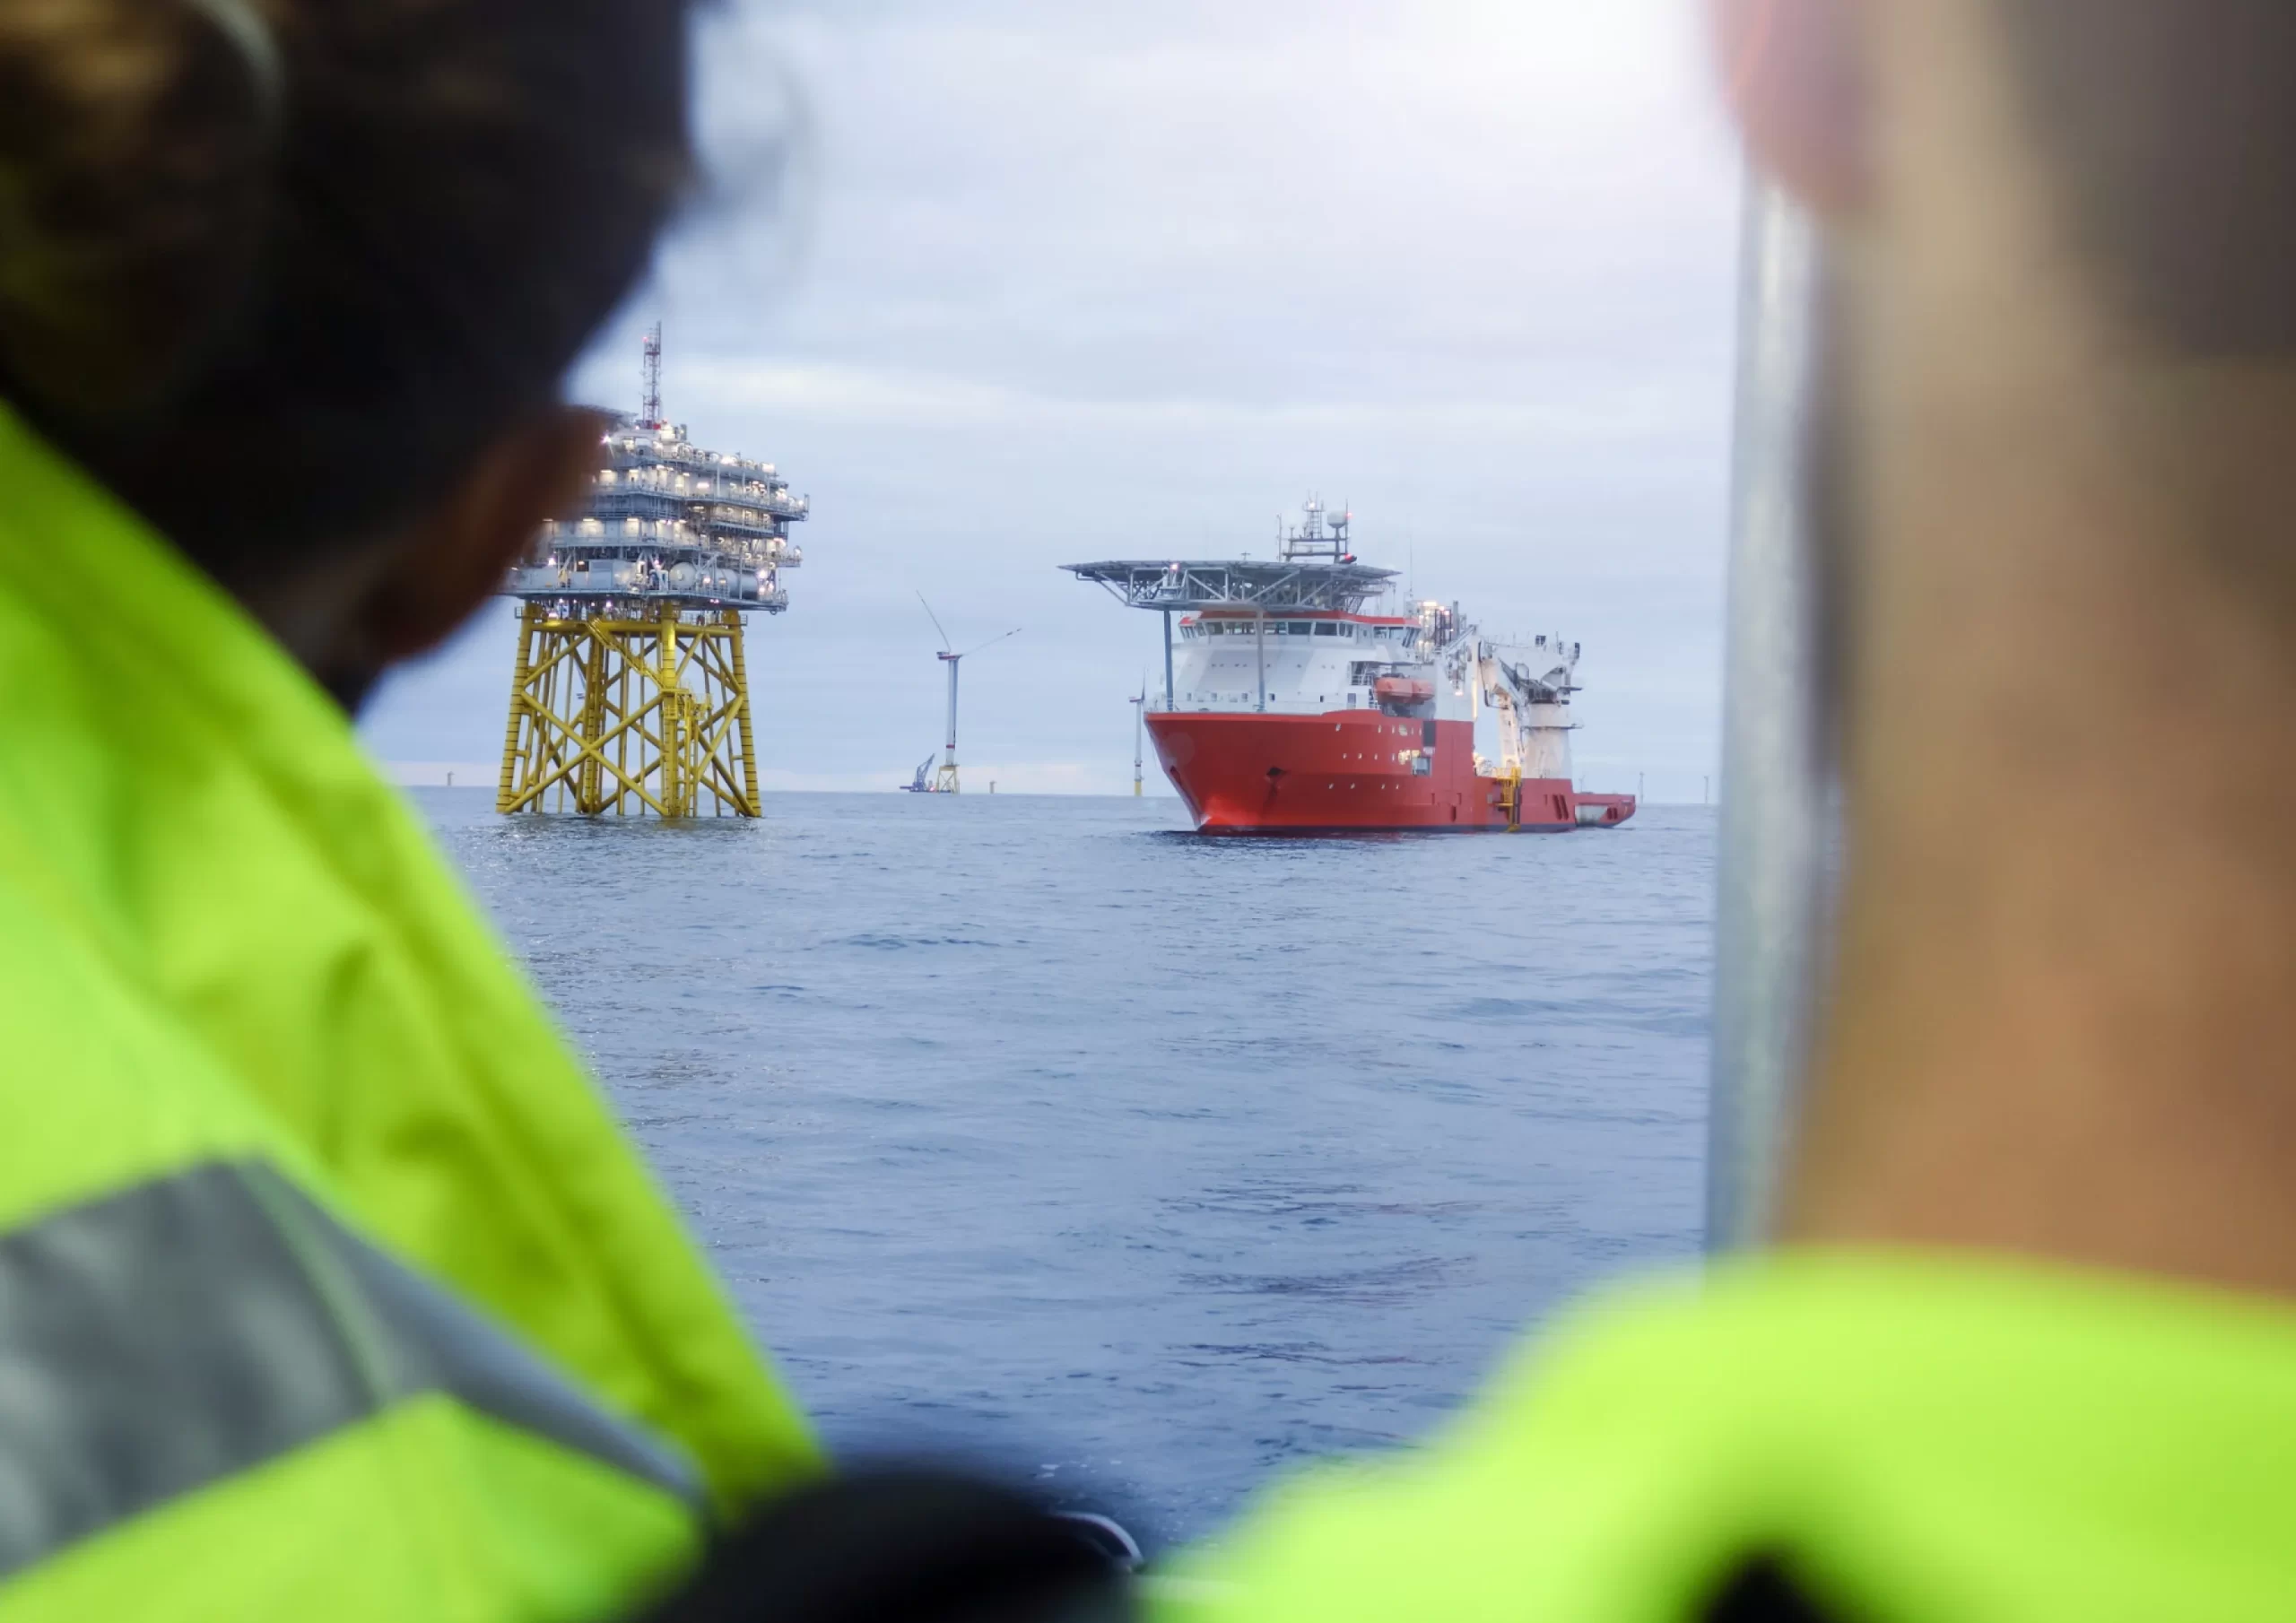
1244, 772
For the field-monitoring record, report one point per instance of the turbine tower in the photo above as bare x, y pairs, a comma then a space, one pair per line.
944, 781
1139, 713
629, 694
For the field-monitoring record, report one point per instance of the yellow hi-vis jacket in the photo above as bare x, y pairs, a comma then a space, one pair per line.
1861, 1436
328, 1289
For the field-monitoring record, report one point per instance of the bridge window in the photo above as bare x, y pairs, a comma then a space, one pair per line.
1326, 629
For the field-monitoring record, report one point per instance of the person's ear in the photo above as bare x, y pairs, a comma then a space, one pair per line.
542, 468
1794, 72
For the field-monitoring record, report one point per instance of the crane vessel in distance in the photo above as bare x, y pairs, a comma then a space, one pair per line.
1290, 708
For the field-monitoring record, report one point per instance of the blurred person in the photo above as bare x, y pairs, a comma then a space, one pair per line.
328, 1289
2025, 1347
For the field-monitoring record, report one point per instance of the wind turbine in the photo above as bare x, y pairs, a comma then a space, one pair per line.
1139, 713
944, 781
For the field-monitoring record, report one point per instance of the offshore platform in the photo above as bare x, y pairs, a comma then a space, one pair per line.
629, 694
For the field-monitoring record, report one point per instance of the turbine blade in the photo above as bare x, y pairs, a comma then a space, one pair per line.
935, 619
991, 643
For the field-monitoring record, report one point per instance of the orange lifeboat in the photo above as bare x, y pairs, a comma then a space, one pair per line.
1403, 691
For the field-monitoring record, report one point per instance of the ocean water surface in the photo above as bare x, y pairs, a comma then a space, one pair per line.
1042, 1132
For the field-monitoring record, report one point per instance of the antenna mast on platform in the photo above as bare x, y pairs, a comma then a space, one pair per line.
649, 414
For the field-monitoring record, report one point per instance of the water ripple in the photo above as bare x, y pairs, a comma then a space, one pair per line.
1038, 1131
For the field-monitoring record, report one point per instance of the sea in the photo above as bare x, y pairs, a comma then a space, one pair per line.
1040, 1134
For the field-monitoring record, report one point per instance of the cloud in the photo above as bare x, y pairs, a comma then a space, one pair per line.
1598, 411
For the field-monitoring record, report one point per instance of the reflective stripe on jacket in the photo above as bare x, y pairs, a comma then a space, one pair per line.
1867, 1438
327, 1286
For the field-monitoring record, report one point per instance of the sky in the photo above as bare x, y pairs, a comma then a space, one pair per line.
1003, 285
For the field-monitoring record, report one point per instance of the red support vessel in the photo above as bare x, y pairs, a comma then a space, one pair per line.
1289, 707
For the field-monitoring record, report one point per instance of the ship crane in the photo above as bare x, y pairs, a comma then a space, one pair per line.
944, 781
1534, 724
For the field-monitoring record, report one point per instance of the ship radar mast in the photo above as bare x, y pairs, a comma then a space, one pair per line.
1316, 537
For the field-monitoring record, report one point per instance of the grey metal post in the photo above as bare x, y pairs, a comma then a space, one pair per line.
954, 661
1168, 659
1768, 909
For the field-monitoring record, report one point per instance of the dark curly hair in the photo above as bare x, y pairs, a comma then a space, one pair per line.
277, 298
